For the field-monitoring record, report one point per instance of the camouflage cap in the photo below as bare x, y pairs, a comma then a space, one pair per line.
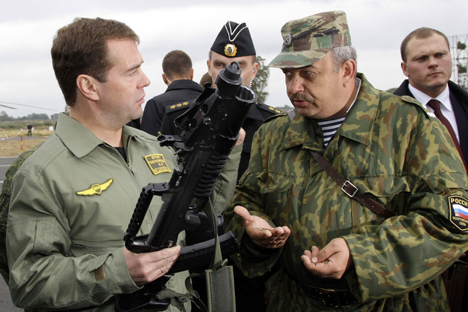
234, 40
307, 40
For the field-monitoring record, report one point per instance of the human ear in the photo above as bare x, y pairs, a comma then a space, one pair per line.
87, 86
349, 69
254, 71
403, 68
166, 81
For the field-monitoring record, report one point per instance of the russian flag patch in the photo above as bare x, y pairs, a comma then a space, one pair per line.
459, 211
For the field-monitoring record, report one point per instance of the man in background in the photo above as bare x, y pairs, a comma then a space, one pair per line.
427, 63
177, 75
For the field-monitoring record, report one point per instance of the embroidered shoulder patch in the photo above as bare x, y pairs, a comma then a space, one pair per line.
157, 163
459, 211
96, 188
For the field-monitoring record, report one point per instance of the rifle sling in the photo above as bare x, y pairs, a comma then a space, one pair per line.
351, 190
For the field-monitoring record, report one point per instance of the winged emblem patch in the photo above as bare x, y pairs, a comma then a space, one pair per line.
96, 188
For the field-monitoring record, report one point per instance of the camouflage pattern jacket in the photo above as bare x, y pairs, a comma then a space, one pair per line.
4, 204
395, 153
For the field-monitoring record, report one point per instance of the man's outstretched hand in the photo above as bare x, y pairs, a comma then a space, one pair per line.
260, 231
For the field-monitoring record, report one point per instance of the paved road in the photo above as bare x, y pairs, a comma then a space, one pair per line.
5, 299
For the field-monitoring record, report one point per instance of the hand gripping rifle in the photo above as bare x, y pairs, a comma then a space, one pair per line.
210, 128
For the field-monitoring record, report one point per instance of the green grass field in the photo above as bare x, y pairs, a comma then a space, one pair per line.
11, 143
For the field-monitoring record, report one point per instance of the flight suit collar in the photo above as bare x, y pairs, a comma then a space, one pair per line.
75, 136
80, 140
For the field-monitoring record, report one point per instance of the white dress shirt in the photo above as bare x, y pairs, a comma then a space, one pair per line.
445, 105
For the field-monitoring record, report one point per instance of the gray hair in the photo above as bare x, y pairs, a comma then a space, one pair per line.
341, 55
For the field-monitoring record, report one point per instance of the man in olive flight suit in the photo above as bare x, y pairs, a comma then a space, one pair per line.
73, 198
337, 253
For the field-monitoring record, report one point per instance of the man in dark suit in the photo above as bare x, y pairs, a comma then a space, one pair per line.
177, 75
428, 65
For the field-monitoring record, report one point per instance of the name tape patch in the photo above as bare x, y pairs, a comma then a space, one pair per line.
459, 211
157, 163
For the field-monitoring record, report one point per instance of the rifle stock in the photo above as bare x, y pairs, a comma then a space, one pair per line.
210, 130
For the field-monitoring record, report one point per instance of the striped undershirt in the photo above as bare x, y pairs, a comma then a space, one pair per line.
329, 128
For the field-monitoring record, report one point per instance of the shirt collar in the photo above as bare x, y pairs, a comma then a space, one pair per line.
79, 139
75, 136
303, 130
365, 108
423, 98
358, 83
184, 84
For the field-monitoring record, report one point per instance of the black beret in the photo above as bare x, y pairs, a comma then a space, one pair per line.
234, 40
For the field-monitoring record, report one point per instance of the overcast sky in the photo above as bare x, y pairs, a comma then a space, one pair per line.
27, 28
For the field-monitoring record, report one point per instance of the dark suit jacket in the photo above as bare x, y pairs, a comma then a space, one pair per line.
258, 113
459, 99
177, 92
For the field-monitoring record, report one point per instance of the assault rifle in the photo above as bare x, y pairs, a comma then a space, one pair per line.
210, 129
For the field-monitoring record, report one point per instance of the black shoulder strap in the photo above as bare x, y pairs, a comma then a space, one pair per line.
351, 190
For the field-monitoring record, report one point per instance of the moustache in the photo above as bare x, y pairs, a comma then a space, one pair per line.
301, 97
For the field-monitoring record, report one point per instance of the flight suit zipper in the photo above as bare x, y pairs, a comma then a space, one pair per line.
127, 150
127, 163
128, 158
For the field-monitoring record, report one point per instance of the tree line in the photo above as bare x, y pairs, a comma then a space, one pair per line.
4, 117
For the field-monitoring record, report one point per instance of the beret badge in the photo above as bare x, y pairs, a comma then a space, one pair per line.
230, 49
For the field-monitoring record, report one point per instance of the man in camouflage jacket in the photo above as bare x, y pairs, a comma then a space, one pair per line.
337, 254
